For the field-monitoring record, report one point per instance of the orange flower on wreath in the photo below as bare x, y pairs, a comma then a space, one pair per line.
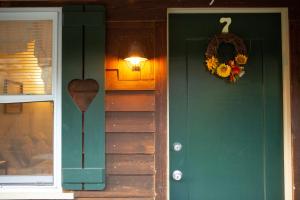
241, 59
223, 70
212, 63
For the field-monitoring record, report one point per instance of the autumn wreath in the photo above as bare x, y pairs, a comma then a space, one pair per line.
232, 69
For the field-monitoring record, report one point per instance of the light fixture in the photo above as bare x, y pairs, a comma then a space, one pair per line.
135, 56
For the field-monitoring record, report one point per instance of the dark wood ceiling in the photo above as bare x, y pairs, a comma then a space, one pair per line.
120, 10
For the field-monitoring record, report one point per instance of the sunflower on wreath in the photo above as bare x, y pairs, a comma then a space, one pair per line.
233, 69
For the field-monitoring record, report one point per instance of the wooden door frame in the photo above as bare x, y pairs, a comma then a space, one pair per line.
287, 133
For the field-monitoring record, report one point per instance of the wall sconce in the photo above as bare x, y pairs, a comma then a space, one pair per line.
135, 56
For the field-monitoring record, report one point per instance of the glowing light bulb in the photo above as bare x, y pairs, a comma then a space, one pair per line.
135, 61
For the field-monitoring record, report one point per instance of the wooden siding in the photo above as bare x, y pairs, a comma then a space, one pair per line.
132, 122
295, 89
124, 186
117, 198
136, 101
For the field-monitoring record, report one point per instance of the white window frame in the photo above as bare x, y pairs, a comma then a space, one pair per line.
52, 190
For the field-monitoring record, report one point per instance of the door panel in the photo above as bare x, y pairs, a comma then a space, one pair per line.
231, 133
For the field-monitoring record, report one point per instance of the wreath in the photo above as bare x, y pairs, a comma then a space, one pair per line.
232, 69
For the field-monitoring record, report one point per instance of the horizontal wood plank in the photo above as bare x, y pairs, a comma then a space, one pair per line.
123, 186
125, 198
130, 143
130, 122
130, 101
112, 82
130, 164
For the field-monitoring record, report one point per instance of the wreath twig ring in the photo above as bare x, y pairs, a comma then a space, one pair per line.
232, 69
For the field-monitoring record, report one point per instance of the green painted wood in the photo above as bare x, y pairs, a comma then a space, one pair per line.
88, 19
94, 117
71, 115
86, 175
232, 134
83, 34
72, 186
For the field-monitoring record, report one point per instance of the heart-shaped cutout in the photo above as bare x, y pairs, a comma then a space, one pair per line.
83, 92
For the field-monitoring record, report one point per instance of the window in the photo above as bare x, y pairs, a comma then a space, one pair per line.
30, 100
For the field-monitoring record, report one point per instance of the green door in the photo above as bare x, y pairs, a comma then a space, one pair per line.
231, 133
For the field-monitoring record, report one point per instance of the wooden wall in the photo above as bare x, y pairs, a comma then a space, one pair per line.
136, 102
133, 115
295, 89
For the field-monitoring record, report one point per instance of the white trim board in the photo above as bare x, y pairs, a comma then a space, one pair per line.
287, 133
37, 195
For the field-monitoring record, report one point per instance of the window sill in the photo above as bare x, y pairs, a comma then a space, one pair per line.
36, 195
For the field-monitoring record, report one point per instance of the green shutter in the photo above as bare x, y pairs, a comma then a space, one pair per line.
83, 44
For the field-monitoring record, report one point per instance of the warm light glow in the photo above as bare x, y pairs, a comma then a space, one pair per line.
24, 67
135, 60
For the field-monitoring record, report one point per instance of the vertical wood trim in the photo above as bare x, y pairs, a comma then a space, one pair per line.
161, 148
295, 89
288, 160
